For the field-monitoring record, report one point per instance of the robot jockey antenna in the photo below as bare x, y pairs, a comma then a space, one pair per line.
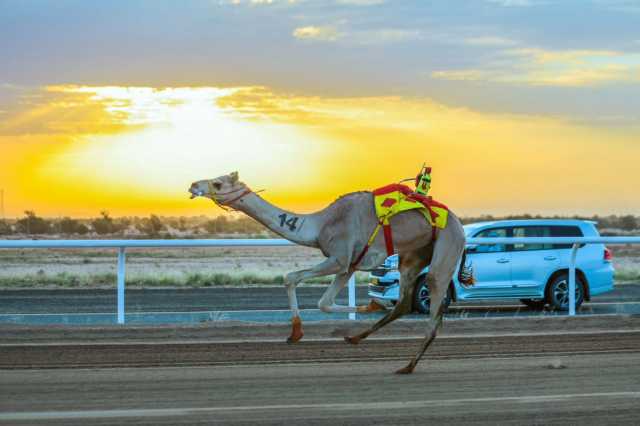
423, 180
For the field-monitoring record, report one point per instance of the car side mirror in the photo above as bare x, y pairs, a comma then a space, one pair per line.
471, 248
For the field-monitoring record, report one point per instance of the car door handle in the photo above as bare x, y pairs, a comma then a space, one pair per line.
503, 260
550, 258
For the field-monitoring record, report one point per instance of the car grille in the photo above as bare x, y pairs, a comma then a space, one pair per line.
380, 272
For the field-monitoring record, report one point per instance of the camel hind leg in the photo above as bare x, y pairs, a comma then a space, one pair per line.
411, 264
447, 252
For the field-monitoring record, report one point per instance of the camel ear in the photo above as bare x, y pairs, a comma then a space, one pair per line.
234, 177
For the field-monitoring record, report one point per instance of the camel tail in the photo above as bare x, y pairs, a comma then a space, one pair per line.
465, 274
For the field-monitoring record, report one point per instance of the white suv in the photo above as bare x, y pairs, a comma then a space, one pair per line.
536, 275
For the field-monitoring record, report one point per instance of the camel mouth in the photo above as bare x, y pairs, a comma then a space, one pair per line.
195, 193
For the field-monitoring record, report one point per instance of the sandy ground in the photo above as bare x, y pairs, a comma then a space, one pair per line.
585, 389
584, 373
230, 331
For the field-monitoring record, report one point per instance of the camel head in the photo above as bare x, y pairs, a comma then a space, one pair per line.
222, 189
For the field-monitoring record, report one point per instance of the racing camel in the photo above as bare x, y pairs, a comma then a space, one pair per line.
342, 231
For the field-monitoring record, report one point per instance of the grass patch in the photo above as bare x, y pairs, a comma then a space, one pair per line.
65, 280
627, 275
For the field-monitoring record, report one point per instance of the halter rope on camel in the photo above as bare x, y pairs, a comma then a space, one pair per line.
225, 205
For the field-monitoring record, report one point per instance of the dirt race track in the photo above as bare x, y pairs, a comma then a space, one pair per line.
582, 375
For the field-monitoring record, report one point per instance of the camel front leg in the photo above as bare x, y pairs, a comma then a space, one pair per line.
327, 302
328, 267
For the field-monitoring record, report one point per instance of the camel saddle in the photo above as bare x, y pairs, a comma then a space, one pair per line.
397, 198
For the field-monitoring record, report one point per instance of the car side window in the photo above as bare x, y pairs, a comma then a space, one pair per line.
565, 231
531, 231
491, 233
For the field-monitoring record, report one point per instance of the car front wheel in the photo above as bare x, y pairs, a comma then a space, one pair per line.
558, 292
422, 298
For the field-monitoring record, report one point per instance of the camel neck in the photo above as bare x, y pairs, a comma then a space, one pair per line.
299, 228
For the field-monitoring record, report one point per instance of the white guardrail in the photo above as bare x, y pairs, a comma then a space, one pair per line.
122, 245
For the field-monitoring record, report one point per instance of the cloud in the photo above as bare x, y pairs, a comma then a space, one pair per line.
248, 124
540, 67
82, 110
382, 129
360, 2
379, 36
383, 36
489, 41
53, 111
462, 75
626, 6
512, 3
324, 33
258, 2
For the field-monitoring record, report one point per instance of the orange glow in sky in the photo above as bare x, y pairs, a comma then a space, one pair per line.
78, 150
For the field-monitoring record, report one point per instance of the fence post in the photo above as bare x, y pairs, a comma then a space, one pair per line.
352, 295
572, 279
121, 273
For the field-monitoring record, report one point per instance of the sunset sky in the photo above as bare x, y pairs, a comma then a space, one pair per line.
518, 105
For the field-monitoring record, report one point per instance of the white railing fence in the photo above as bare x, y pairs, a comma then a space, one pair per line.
122, 245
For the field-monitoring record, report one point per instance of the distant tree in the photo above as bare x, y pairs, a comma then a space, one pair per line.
180, 223
218, 225
606, 222
68, 225
628, 223
249, 225
104, 224
5, 228
121, 224
72, 226
82, 229
32, 224
151, 226
156, 225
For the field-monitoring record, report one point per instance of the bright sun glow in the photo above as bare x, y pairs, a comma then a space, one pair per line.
178, 136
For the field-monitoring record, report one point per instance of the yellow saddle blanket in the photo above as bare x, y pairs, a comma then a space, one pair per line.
397, 198
393, 199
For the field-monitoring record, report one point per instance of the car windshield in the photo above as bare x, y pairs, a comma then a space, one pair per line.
468, 229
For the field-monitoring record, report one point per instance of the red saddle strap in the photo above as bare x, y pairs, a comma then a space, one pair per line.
388, 238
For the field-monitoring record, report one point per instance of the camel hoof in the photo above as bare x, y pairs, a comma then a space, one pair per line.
405, 370
353, 340
294, 339
296, 331
373, 306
